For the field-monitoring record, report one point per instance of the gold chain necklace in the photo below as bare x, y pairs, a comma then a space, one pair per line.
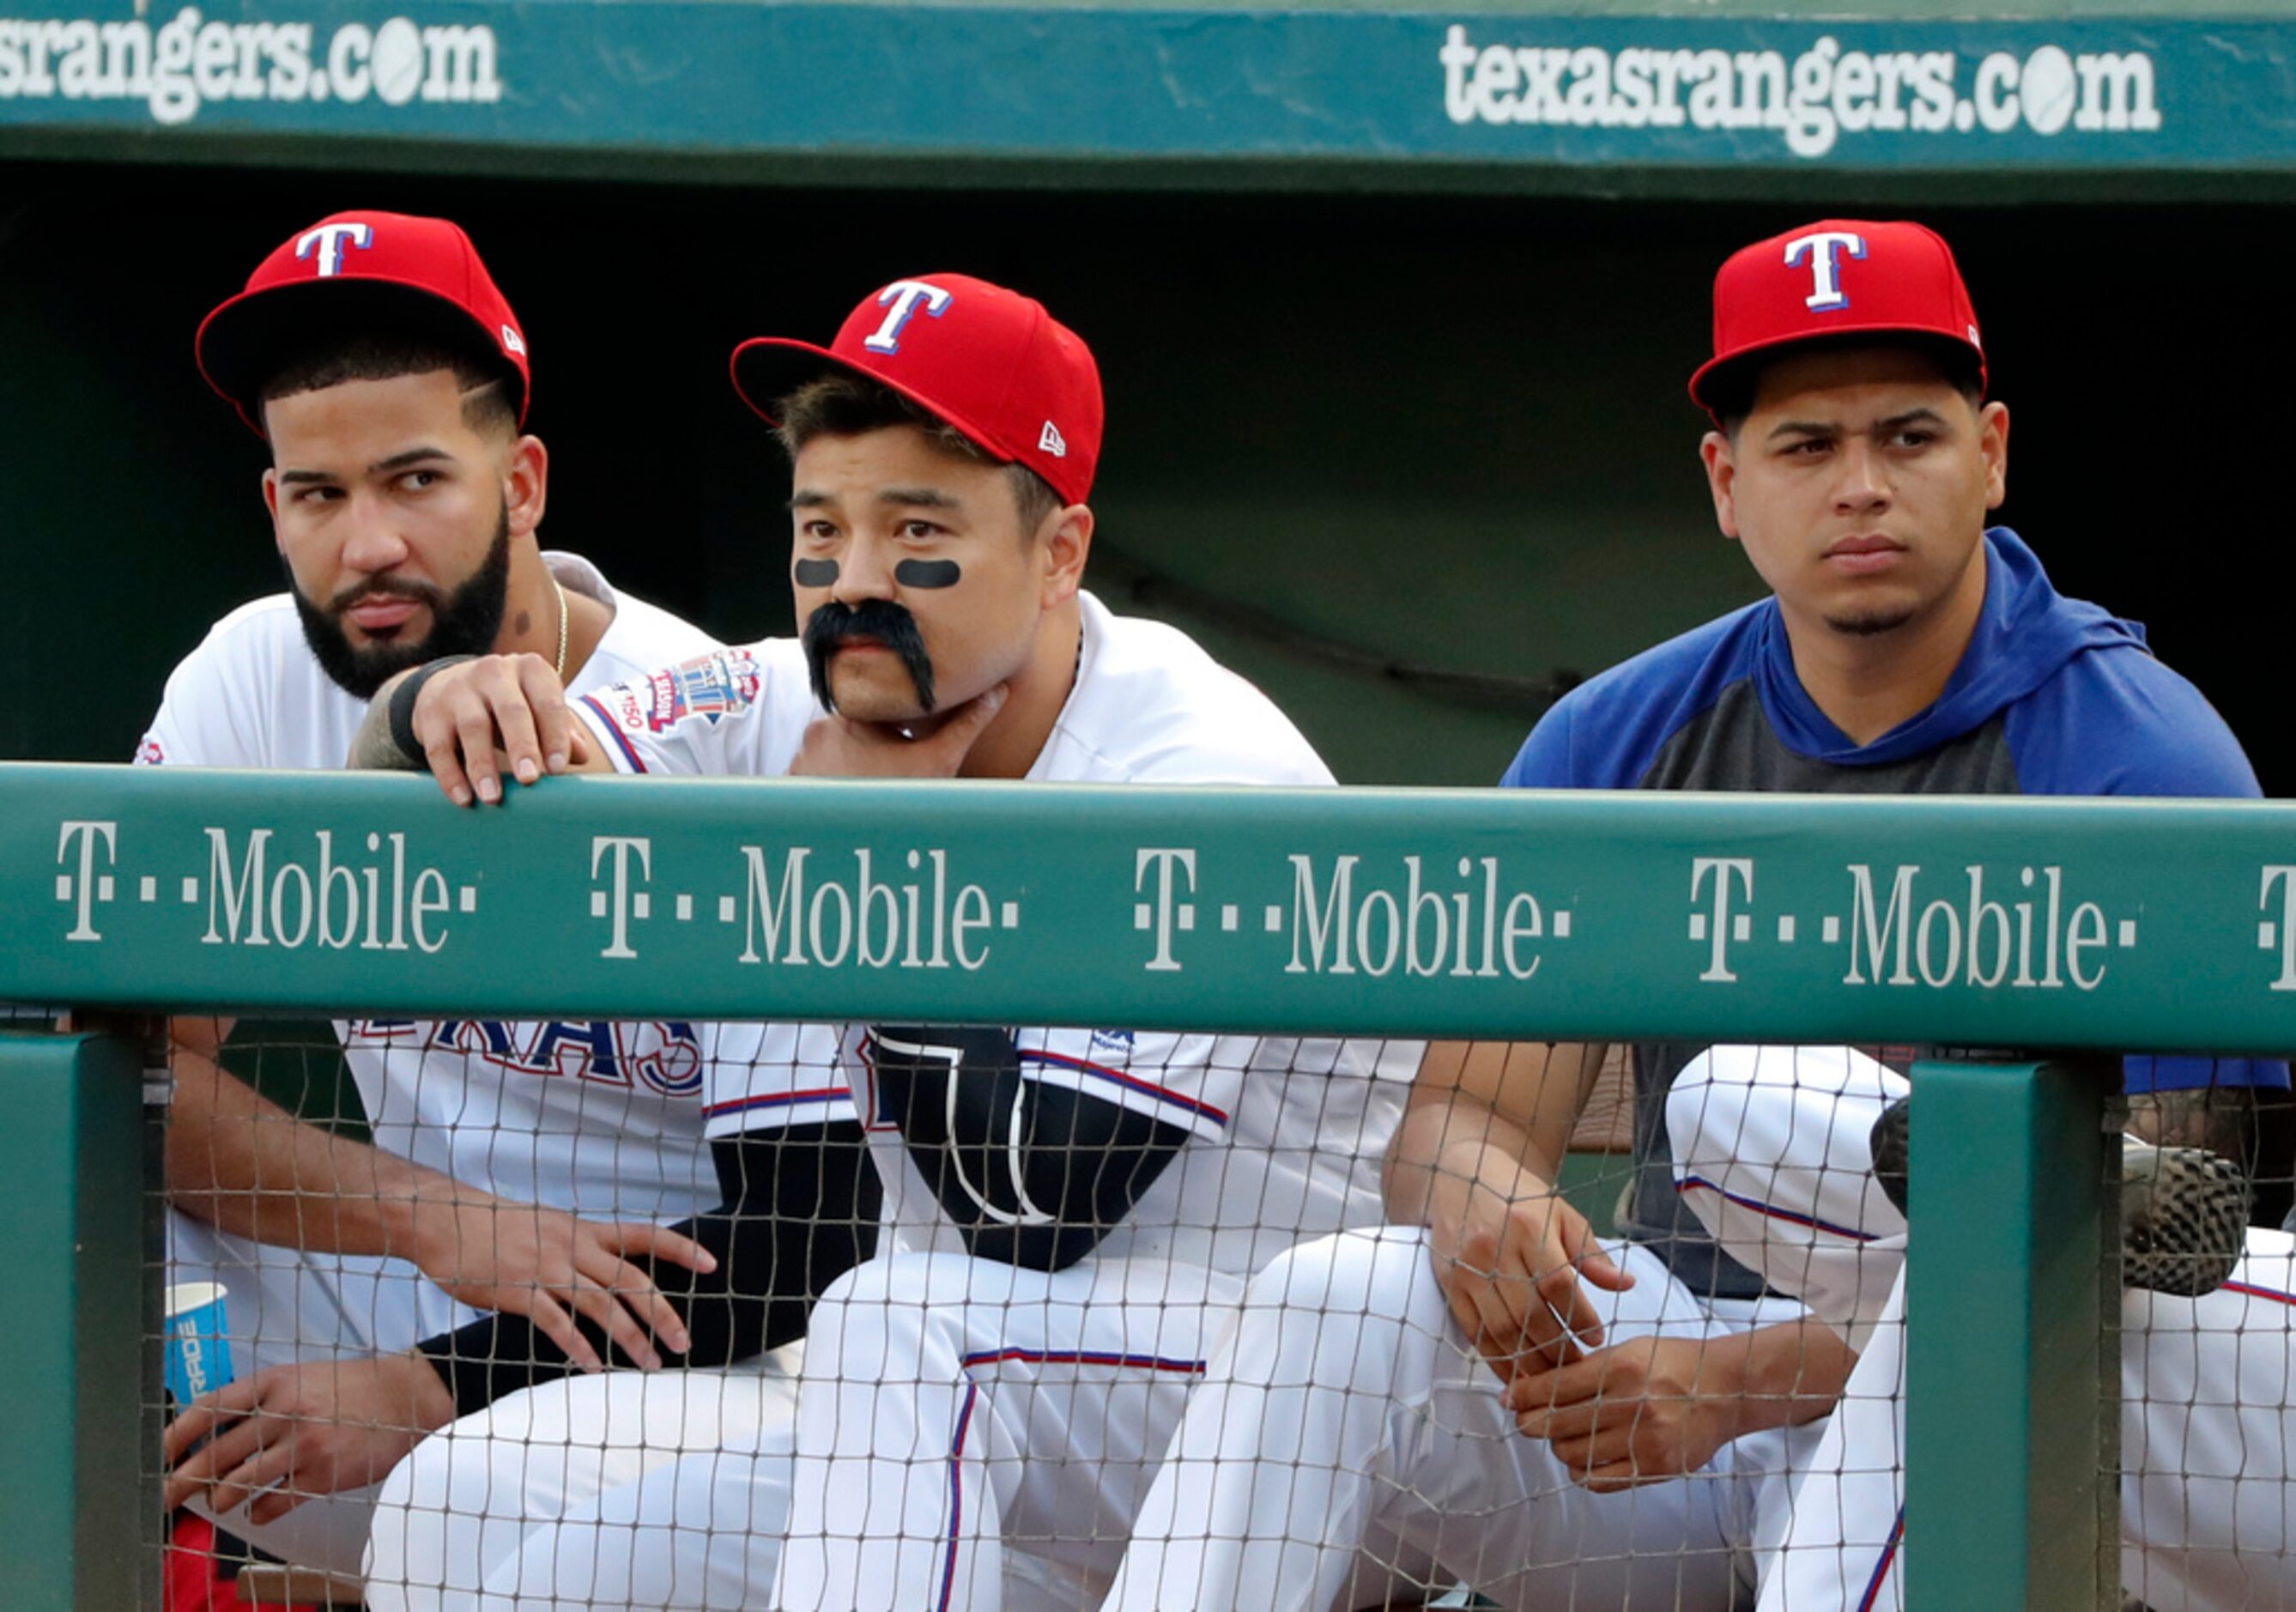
560, 667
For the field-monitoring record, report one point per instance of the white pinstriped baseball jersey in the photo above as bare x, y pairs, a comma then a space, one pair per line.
1286, 1134
600, 1119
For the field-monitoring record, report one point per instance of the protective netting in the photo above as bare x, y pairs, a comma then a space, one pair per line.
1794, 1160
1116, 1318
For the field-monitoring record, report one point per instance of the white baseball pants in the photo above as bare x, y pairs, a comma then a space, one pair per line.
1772, 1154
1346, 1405
624, 1489
954, 1412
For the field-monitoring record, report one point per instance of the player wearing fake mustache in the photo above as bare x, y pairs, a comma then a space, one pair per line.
983, 1404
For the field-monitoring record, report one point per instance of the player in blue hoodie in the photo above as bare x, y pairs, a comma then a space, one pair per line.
1561, 1421
2046, 695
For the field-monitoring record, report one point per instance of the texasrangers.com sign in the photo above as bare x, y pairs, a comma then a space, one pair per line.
2159, 926
1809, 99
191, 61
1545, 86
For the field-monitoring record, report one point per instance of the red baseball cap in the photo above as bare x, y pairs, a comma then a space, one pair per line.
1017, 382
1837, 277
419, 275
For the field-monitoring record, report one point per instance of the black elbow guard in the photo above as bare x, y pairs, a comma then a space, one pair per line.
1033, 1175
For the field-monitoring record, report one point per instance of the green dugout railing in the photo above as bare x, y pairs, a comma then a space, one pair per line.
2059, 927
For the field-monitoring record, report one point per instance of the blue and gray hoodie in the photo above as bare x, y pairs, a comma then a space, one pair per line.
2052, 696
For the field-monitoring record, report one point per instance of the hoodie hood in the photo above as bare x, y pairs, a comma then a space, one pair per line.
2027, 634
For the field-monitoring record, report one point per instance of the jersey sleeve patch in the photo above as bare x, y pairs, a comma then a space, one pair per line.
645, 720
708, 688
608, 727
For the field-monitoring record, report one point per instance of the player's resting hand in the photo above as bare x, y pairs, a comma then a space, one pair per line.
1640, 1412
1474, 1160
932, 748
1656, 1408
550, 1266
470, 720
292, 1432
1511, 1254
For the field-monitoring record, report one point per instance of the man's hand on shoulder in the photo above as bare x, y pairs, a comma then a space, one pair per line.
838, 747
551, 1267
471, 723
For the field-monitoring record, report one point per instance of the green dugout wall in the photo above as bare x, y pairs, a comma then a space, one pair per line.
1481, 913
1394, 328
1394, 306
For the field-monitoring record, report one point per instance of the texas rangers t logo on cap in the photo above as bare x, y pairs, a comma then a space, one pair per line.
1823, 249
903, 297
329, 238
1904, 282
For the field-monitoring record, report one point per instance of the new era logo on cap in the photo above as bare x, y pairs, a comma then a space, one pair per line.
353, 272
1837, 277
989, 361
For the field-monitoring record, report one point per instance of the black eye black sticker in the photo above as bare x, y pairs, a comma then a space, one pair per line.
928, 573
815, 573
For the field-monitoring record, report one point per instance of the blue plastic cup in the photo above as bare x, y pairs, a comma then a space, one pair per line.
198, 1341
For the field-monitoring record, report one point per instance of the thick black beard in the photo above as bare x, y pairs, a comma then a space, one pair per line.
1869, 627
880, 619
466, 621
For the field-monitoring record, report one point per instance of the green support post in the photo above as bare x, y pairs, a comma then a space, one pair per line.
2011, 1173
73, 1394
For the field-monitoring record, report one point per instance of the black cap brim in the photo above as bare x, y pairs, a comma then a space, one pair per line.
766, 369
1726, 387
242, 344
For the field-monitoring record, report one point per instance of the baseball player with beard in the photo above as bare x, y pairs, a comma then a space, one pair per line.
507, 1224
1070, 1214
1561, 1422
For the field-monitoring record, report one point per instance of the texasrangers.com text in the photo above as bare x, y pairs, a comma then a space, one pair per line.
191, 62
1812, 100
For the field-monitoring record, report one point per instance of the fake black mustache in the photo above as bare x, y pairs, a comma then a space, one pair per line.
880, 619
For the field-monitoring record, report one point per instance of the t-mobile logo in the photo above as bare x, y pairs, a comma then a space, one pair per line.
1719, 925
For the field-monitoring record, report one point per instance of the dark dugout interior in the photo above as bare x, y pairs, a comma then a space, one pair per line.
1409, 462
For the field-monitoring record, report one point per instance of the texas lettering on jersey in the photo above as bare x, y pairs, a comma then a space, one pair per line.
664, 1056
